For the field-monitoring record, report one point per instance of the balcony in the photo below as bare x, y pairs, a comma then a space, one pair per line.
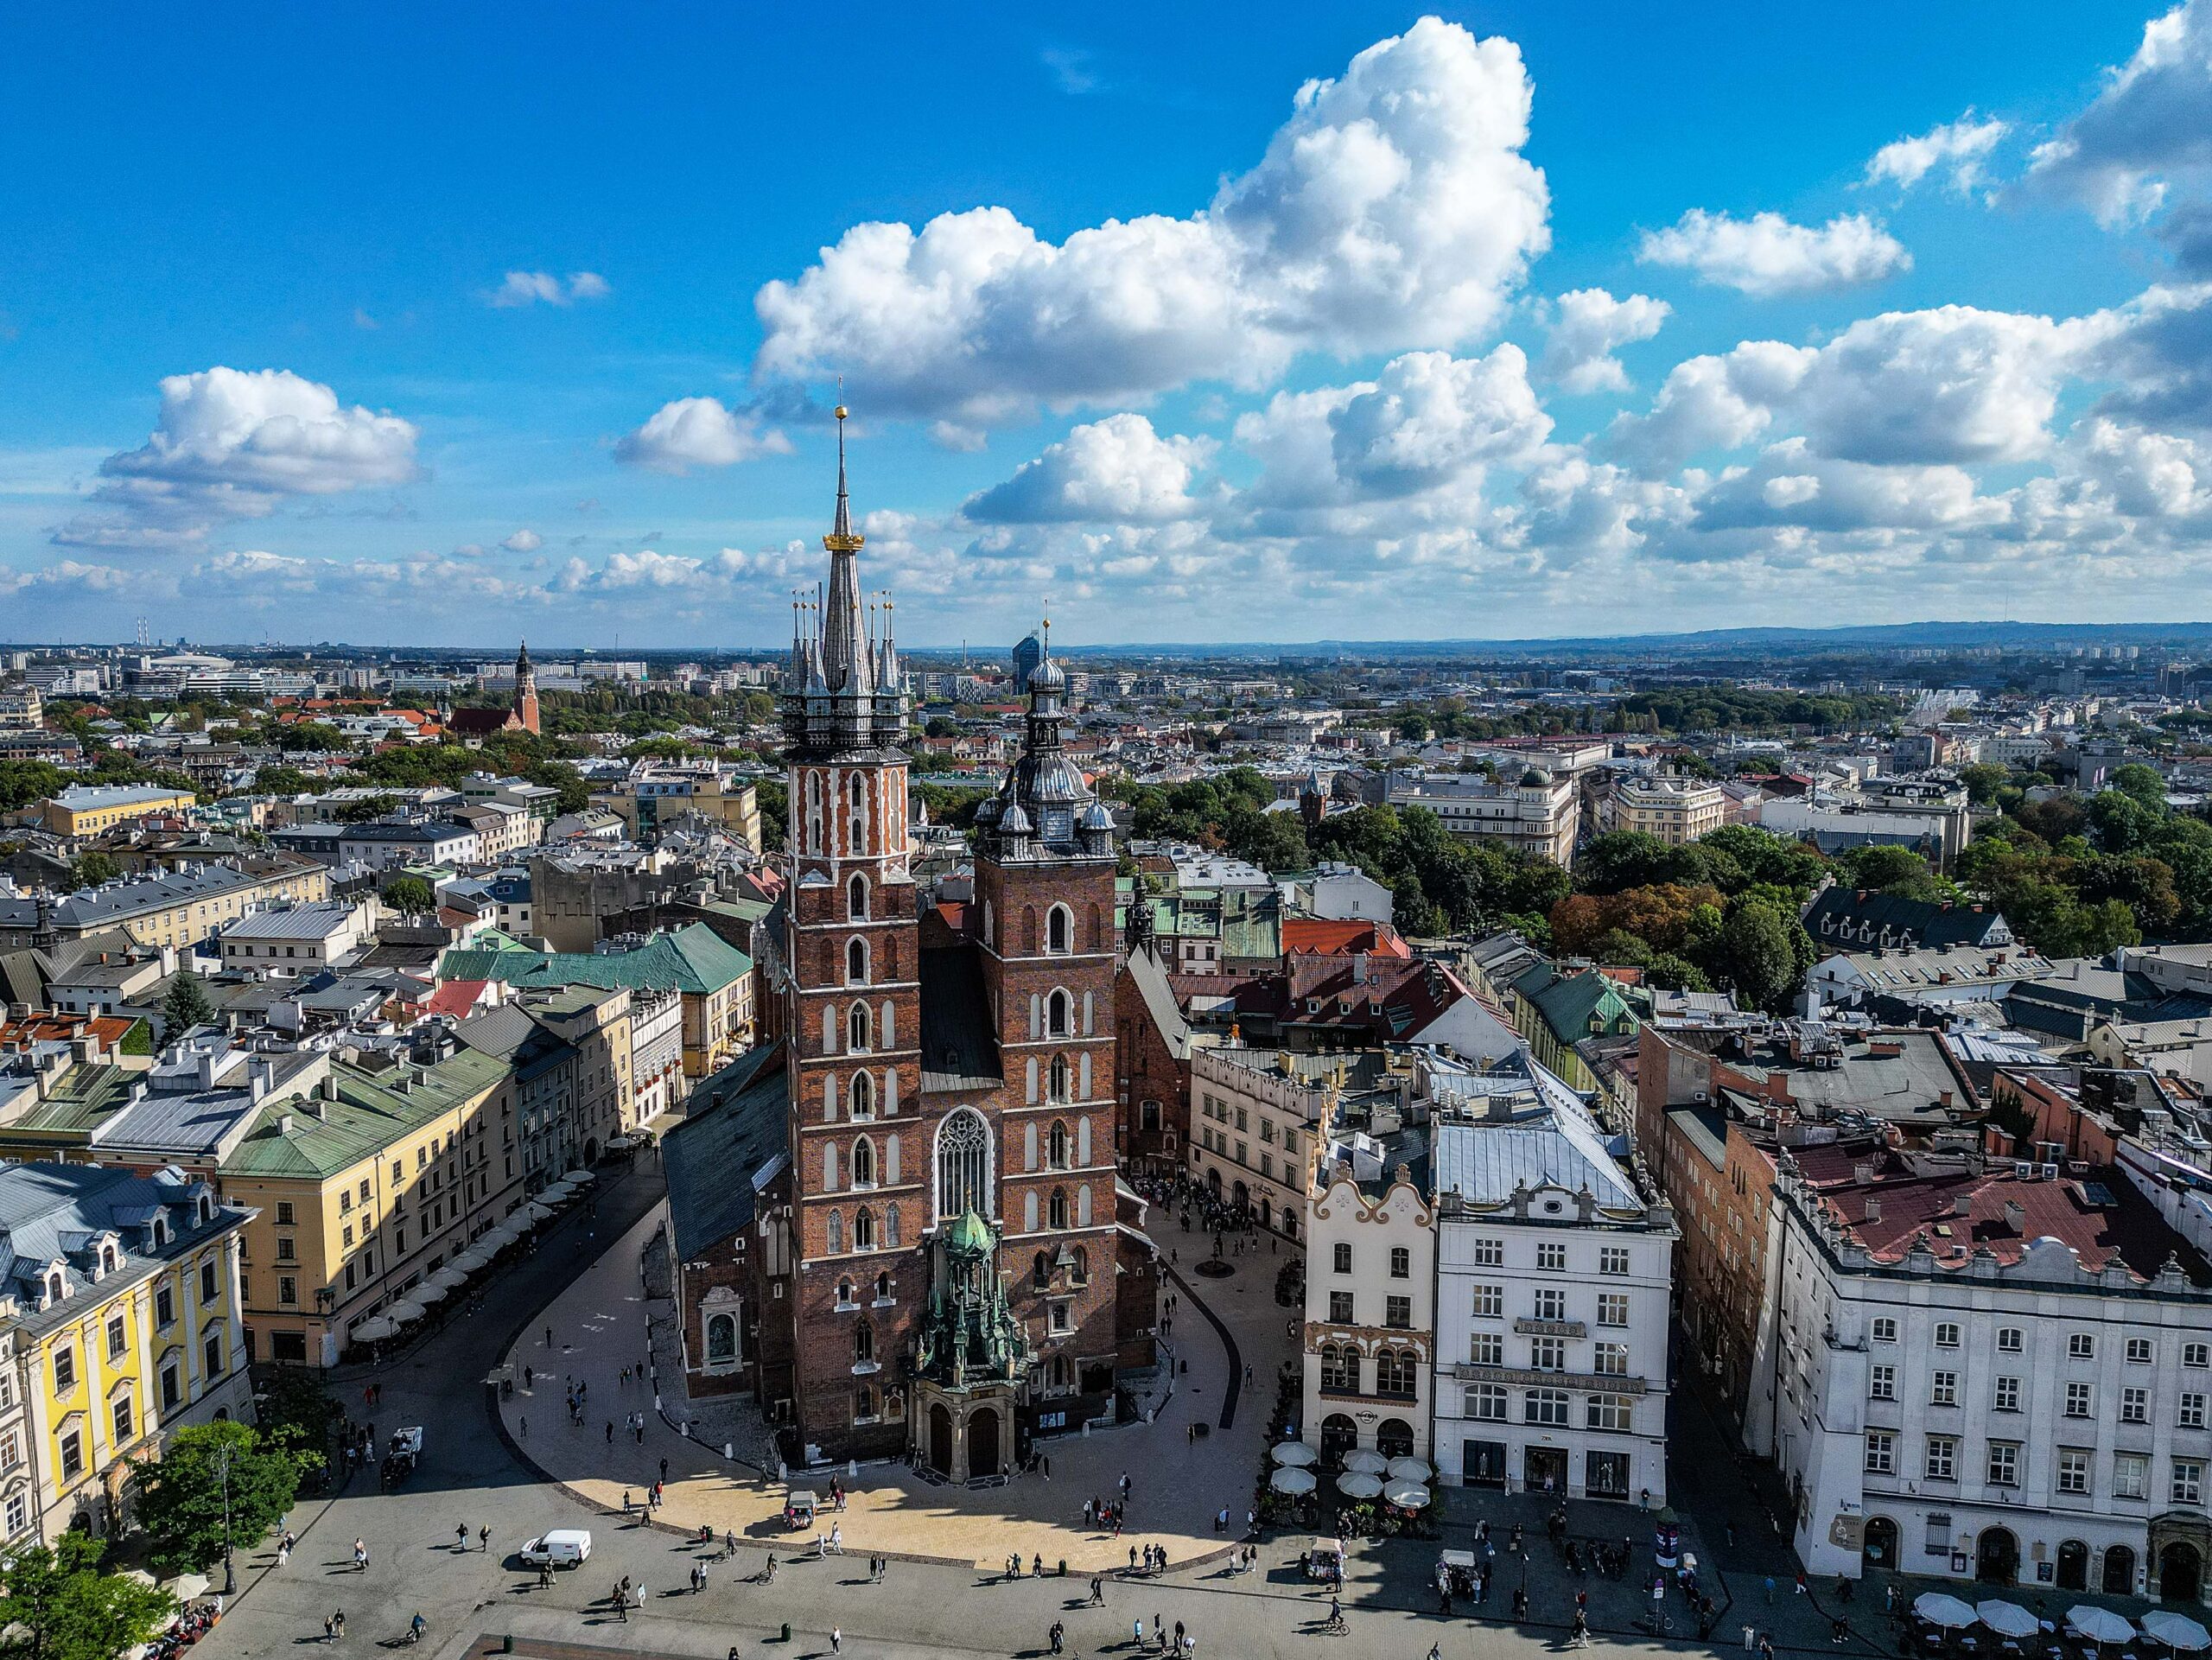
1526, 1377
1551, 1328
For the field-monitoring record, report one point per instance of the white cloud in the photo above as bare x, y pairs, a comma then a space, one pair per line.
1766, 255
648, 568
1790, 485
2150, 126
1960, 148
1393, 209
1118, 468
524, 541
234, 444
530, 288
699, 432
68, 574
1587, 326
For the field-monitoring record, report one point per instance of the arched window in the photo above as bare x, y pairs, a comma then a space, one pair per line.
963, 1152
1058, 1015
883, 1279
863, 1098
863, 1171
863, 1231
1040, 1271
863, 1405
856, 897
1079, 1272
863, 1343
1056, 1146
1082, 1205
890, 1242
1059, 930
1056, 1081
1394, 1373
844, 1294
721, 1339
1059, 1208
857, 839
857, 1028
856, 962
1339, 1369
53, 1288
107, 1259
836, 1234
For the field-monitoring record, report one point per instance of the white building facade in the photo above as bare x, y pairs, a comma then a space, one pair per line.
1370, 1336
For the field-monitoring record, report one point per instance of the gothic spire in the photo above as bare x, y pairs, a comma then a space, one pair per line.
844, 666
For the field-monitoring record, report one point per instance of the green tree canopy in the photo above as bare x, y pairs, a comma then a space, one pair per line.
94, 867
184, 1005
63, 1607
181, 1495
411, 896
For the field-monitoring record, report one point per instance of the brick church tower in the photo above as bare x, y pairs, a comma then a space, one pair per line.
525, 708
852, 1027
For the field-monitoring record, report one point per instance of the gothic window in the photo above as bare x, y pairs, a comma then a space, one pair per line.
856, 1024
1060, 1078
1079, 1274
989, 920
863, 1096
828, 1166
889, 1028
1096, 938
722, 1340
864, 1405
863, 1166
1029, 1213
863, 1343
863, 1231
883, 1279
1056, 1146
1061, 1371
836, 1233
856, 897
1082, 1205
828, 1030
890, 1242
857, 839
856, 962
1058, 1014
1040, 1271
1059, 930
964, 1150
1059, 1208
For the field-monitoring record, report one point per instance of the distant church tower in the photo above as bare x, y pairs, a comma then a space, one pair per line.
525, 708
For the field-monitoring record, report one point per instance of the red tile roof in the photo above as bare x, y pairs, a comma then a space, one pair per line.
1313, 936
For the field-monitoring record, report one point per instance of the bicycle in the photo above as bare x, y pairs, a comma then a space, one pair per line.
1332, 1627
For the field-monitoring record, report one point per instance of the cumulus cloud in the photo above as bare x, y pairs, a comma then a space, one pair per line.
531, 288
699, 432
1766, 255
1790, 485
1587, 326
2151, 126
1960, 148
68, 574
524, 541
645, 569
234, 444
1117, 468
1393, 209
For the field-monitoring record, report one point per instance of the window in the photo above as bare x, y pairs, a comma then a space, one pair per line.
2188, 1486
1060, 930
1489, 1253
1058, 1018
11, 1451
857, 1028
863, 1344
1489, 1302
863, 1162
1613, 1259
288, 1291
1881, 1383
208, 1280
1402, 1263
2006, 1397
121, 1413
117, 1338
213, 1355
2196, 1354
287, 1250
1398, 1313
2192, 1410
962, 1149
1486, 1402
2082, 1345
2081, 1401
1340, 1308
1546, 1407
856, 899
1551, 1305
864, 1230
1942, 1458
1610, 1412
1486, 1349
1340, 1259
2135, 1406
2008, 1340
73, 1456
2073, 1470
1612, 1308
1885, 1330
1610, 1359
1947, 1335
2004, 1463
1394, 1373
65, 1371
2131, 1475
856, 962
1547, 1354
2140, 1351
19, 1515
164, 1305
1943, 1389
1552, 1258
1340, 1369
1881, 1453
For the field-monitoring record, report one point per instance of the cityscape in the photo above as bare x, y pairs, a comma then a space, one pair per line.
1595, 791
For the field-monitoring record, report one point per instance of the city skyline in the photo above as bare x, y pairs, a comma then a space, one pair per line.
1433, 344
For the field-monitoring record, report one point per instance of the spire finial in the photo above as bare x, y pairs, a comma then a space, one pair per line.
841, 538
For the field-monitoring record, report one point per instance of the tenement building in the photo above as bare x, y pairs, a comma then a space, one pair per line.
936, 1259
1997, 1371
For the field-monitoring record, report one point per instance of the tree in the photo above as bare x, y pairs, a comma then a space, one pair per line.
286, 780
1983, 780
94, 868
1757, 954
411, 896
182, 1494
184, 1005
68, 1610
2143, 785
1890, 870
365, 808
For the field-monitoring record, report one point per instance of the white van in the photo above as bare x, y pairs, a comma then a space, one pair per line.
562, 1547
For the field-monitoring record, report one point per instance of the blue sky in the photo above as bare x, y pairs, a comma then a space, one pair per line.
399, 326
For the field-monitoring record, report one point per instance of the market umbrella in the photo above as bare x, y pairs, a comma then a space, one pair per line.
472, 1260
185, 1586
142, 1576
579, 1175
2007, 1618
537, 1213
1366, 1463
1938, 1609
405, 1310
375, 1329
1294, 1482
553, 1193
1359, 1485
428, 1292
1409, 1470
1293, 1455
2099, 1625
1406, 1495
2177, 1632
451, 1276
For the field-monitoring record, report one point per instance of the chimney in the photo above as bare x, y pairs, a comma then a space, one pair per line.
1873, 1208
1963, 1204
284, 1123
2016, 1216
1944, 1099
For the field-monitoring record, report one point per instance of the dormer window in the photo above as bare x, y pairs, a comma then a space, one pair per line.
207, 1209
54, 1292
108, 1259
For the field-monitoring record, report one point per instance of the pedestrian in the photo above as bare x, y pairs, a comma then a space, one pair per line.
836, 1641
484, 1539
1750, 1638
837, 1538
528, 1377
360, 1556
664, 1470
549, 1336
545, 1576
625, 1501
284, 1552
327, 1629
460, 1537
340, 1617
1097, 1592
610, 1432
1769, 1587
526, 1425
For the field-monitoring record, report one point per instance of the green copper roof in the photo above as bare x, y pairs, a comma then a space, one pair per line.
694, 959
969, 1237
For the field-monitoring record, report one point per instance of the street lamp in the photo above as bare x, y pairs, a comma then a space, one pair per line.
223, 1466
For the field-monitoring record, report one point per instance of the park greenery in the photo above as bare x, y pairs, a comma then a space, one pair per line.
217, 1485
57, 1604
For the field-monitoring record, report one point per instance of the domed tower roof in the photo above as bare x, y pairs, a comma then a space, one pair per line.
968, 1236
1535, 779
